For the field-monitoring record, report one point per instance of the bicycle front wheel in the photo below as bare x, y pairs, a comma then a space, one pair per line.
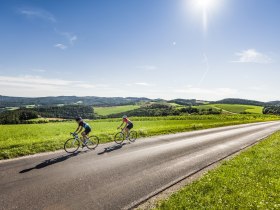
132, 136
71, 145
119, 138
92, 142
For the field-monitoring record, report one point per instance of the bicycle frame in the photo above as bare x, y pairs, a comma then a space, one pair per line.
123, 132
76, 136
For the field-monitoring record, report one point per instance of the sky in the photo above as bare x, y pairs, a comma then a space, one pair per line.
192, 49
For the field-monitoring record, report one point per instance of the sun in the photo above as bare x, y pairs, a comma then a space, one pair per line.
205, 7
205, 4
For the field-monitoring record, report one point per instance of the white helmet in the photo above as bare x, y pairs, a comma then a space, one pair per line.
124, 117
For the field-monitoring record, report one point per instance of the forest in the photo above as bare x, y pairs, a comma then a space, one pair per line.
24, 115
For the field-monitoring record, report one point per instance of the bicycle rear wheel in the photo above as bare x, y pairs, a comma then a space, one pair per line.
119, 138
71, 145
132, 136
92, 142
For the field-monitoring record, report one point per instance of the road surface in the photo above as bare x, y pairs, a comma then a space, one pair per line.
119, 177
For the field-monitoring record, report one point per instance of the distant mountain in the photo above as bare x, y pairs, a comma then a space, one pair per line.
7, 101
240, 101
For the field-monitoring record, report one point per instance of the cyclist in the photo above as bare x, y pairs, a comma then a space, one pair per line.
82, 124
128, 126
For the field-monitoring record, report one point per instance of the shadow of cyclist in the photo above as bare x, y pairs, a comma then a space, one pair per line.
53, 161
112, 148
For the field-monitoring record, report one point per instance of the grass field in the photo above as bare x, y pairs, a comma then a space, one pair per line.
249, 181
11, 108
104, 111
176, 105
234, 108
206, 106
19, 140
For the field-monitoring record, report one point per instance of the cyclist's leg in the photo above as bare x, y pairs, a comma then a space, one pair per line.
128, 128
87, 135
84, 134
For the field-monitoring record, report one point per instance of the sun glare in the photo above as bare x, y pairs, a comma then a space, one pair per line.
204, 7
205, 4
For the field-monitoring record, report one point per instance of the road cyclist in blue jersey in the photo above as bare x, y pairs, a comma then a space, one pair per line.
83, 125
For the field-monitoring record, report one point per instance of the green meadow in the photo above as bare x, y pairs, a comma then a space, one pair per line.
249, 181
233, 108
104, 111
26, 139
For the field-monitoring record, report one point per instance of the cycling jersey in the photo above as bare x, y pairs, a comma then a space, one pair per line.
127, 121
84, 125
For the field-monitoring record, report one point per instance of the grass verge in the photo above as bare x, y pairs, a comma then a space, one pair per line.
249, 181
19, 140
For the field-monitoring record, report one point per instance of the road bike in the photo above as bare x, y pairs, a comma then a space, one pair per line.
121, 136
73, 144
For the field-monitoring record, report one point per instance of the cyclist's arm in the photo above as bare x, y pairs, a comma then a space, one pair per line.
79, 129
121, 125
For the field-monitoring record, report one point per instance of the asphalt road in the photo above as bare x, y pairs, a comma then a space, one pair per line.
118, 177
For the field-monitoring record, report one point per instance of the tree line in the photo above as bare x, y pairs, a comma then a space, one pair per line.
65, 112
271, 110
23, 115
157, 109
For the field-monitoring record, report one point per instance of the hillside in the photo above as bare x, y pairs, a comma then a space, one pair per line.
239, 101
274, 103
233, 108
7, 101
105, 111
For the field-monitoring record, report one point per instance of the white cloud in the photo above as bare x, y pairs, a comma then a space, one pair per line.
71, 38
252, 56
39, 70
85, 85
207, 91
147, 67
143, 84
38, 13
139, 84
256, 88
60, 46
41, 82
34, 80
34, 86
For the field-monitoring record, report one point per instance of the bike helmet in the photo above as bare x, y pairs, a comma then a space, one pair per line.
124, 117
78, 119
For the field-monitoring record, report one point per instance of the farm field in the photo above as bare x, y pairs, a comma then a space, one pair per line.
234, 108
104, 111
25, 139
249, 181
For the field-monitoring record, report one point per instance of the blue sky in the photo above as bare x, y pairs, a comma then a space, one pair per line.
203, 49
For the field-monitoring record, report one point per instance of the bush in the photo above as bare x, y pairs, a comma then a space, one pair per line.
272, 110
